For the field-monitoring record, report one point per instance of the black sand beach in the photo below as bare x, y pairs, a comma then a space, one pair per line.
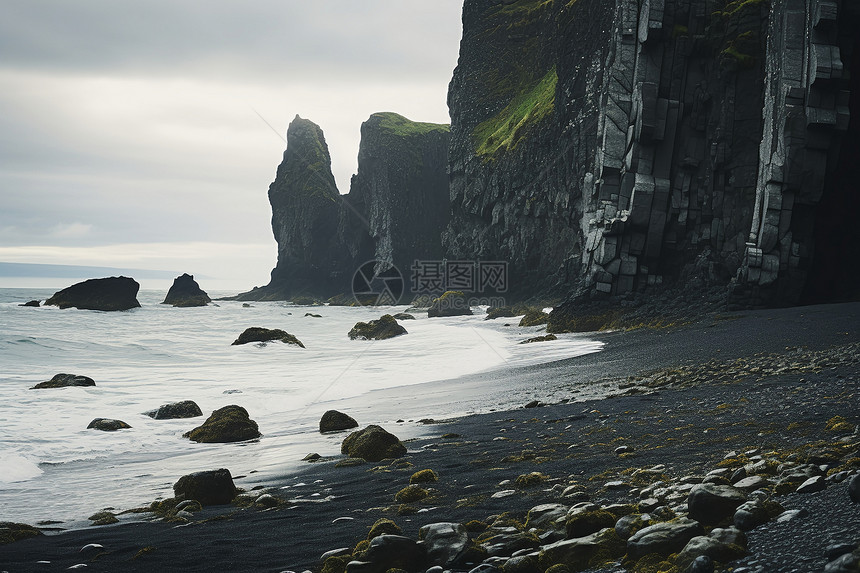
757, 383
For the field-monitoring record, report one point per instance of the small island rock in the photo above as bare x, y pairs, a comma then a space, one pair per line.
107, 425
451, 303
34, 303
256, 334
185, 292
372, 444
174, 410
65, 380
334, 421
383, 328
108, 294
213, 487
227, 424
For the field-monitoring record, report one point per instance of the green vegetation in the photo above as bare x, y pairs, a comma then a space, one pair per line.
737, 6
507, 128
399, 125
423, 476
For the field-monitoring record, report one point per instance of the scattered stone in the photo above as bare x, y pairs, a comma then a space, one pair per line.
701, 564
382, 329
267, 500
91, 550
404, 316
664, 538
623, 450
534, 317
312, 315
108, 294
372, 444
576, 553
451, 303
334, 421
542, 516
176, 410
10, 532
847, 563
312, 457
227, 424
711, 503
185, 292
256, 334
533, 404
390, 552
812, 485
792, 514
584, 523
107, 425
65, 380
503, 493
31, 303
189, 505
423, 476
212, 487
854, 488
752, 483
627, 525
546, 338
446, 543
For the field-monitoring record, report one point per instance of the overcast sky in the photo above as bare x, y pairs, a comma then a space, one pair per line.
130, 134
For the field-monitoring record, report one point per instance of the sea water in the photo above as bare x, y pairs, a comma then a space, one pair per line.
53, 468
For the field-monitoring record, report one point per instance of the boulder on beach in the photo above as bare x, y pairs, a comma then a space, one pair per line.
256, 334
534, 317
711, 503
10, 532
174, 410
185, 292
451, 303
334, 421
372, 444
64, 380
212, 487
403, 316
107, 425
383, 328
108, 294
34, 303
227, 424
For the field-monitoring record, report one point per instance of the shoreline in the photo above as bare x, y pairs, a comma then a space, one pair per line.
308, 523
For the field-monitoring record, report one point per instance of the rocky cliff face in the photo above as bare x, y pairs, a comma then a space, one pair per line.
394, 212
613, 150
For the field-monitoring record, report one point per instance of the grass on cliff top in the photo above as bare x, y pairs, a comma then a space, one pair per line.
399, 125
507, 128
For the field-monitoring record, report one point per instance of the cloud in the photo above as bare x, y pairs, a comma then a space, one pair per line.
70, 231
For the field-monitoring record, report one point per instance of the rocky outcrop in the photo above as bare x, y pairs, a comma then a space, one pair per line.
65, 380
373, 444
176, 410
257, 334
109, 294
394, 212
227, 424
186, 292
334, 421
213, 487
107, 425
450, 303
383, 328
613, 150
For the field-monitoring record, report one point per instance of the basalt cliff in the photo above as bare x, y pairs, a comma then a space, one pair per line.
616, 153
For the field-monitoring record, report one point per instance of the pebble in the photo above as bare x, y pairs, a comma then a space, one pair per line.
504, 493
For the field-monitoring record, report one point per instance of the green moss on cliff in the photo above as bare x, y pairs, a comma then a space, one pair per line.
507, 128
399, 125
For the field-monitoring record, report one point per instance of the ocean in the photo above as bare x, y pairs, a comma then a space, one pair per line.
53, 468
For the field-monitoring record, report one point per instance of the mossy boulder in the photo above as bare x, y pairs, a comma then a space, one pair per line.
373, 444
383, 328
547, 338
404, 316
451, 303
569, 318
424, 476
227, 424
65, 380
334, 421
10, 532
212, 487
176, 410
383, 526
411, 494
107, 425
534, 317
185, 292
257, 334
108, 294
588, 522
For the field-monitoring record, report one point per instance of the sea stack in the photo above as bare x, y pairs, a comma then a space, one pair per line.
186, 292
108, 294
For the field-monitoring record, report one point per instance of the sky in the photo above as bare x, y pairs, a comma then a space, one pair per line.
145, 135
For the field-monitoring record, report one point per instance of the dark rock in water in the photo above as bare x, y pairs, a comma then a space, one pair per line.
333, 421
256, 334
534, 317
547, 338
404, 316
711, 503
312, 315
10, 532
213, 487
383, 328
390, 552
30, 303
174, 410
451, 303
372, 444
64, 380
186, 292
227, 424
108, 294
107, 425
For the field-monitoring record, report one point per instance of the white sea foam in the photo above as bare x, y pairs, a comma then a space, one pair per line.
156, 354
